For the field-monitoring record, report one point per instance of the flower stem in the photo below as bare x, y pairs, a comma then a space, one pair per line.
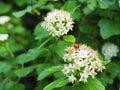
41, 45
8, 48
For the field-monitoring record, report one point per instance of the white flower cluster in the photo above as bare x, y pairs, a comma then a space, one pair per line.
58, 22
4, 19
119, 3
109, 50
82, 62
3, 37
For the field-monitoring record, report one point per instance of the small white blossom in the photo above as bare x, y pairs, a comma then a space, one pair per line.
4, 19
72, 78
119, 3
66, 70
3, 37
71, 67
77, 64
83, 77
82, 62
109, 50
58, 22
92, 73
83, 54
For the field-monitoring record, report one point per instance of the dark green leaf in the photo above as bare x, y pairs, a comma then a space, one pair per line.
87, 28
92, 84
13, 86
108, 28
87, 10
92, 4
57, 83
40, 32
4, 66
24, 71
104, 4
71, 6
4, 8
76, 15
49, 71
32, 54
28, 9
59, 48
41, 67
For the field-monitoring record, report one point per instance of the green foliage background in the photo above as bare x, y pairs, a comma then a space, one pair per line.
31, 60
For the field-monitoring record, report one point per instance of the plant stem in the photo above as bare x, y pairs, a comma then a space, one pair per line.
5, 81
8, 48
41, 45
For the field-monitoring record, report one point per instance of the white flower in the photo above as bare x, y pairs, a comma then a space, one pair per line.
92, 73
4, 19
58, 22
3, 37
71, 67
72, 78
83, 77
83, 53
66, 70
77, 64
119, 3
82, 62
109, 50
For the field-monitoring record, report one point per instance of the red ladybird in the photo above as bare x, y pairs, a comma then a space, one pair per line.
76, 46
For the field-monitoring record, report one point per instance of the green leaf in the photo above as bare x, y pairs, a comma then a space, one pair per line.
29, 9
49, 71
19, 13
3, 51
104, 4
4, 66
49, 6
106, 62
105, 79
57, 83
41, 67
21, 2
22, 12
87, 10
113, 67
69, 38
108, 28
13, 86
8, 85
82, 1
40, 32
41, 84
24, 71
92, 84
87, 28
4, 8
113, 70
32, 54
92, 4
76, 15
59, 48
95, 84
71, 5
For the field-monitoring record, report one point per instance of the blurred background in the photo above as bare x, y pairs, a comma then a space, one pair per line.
96, 22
